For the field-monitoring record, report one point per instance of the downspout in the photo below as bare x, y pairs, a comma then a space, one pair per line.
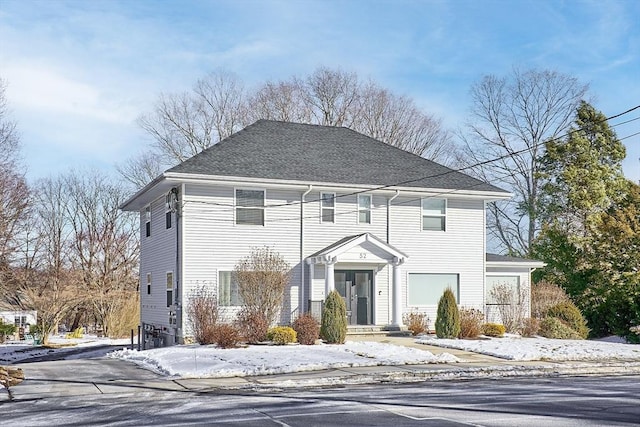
179, 194
389, 278
178, 298
302, 263
388, 212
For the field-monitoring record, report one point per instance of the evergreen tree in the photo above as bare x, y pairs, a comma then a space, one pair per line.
448, 320
333, 329
585, 205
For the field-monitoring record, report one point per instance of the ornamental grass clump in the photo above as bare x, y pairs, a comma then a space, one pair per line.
448, 320
334, 319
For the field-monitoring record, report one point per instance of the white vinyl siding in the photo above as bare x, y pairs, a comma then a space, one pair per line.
212, 244
157, 256
328, 207
250, 206
364, 209
434, 214
425, 289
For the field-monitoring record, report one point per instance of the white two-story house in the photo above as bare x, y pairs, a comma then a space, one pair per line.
386, 228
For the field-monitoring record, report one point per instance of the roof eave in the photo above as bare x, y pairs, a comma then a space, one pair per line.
478, 194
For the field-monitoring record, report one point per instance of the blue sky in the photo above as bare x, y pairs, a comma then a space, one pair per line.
81, 72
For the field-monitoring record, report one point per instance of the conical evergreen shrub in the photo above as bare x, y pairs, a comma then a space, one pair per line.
334, 319
448, 320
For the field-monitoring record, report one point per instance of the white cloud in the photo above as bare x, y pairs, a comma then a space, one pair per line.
46, 90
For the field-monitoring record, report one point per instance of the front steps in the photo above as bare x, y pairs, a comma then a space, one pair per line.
376, 330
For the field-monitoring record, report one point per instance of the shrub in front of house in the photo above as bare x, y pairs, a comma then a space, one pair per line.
6, 329
545, 295
334, 319
226, 335
282, 335
307, 329
253, 325
570, 315
470, 323
552, 327
493, 329
76, 333
416, 322
202, 314
448, 320
530, 327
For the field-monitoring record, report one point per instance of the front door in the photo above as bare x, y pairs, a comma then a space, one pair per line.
356, 287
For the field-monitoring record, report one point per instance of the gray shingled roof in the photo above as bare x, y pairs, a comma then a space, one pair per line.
311, 153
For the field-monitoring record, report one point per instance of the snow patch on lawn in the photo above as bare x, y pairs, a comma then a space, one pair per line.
524, 349
195, 361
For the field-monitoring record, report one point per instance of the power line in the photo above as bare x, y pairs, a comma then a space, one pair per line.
449, 171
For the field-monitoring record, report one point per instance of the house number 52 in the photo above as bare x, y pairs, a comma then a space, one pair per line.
363, 255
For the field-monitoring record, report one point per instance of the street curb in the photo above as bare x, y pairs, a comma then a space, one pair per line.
398, 376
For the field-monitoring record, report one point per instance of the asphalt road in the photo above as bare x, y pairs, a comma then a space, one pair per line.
561, 401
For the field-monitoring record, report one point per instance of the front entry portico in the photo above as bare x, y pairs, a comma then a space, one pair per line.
351, 266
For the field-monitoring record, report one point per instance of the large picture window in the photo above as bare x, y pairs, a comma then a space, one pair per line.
228, 294
427, 288
328, 202
250, 207
434, 214
502, 289
364, 209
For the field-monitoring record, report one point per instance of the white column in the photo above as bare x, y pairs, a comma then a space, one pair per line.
396, 314
329, 280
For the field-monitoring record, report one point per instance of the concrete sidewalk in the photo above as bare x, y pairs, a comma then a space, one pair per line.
129, 378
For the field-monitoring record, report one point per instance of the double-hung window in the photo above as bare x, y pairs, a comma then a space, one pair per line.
434, 214
147, 221
250, 207
364, 209
169, 289
148, 283
328, 207
228, 294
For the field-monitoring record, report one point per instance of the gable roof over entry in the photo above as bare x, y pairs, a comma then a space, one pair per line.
345, 244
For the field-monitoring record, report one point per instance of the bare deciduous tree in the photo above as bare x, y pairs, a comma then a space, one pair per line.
262, 278
182, 125
511, 303
104, 243
14, 193
511, 118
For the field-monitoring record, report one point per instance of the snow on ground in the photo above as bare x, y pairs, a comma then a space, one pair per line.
517, 348
195, 361
15, 351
